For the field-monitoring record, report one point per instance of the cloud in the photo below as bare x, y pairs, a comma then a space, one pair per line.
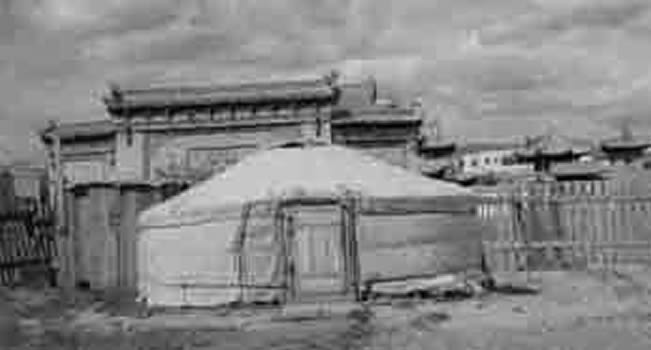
95, 16
292, 32
550, 23
488, 68
62, 14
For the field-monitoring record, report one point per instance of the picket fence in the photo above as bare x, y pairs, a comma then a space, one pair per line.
27, 245
569, 225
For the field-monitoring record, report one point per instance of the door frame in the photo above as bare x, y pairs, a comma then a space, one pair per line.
346, 209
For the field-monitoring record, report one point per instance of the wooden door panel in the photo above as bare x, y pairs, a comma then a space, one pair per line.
318, 252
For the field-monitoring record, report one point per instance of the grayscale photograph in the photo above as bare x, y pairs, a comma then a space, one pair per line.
325, 174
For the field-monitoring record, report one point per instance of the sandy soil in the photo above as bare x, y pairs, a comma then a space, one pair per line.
573, 311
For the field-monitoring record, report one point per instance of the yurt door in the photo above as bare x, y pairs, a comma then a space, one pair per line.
317, 260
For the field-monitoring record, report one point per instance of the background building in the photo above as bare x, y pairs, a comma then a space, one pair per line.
484, 158
627, 149
22, 185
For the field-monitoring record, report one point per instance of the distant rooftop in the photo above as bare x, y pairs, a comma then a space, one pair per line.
478, 146
580, 168
81, 130
625, 144
552, 144
626, 140
329, 88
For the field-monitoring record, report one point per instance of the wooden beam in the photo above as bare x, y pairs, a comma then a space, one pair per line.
220, 124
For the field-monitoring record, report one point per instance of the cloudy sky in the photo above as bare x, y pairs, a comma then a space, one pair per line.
487, 68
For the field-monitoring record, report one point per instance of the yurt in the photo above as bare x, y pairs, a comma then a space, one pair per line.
303, 221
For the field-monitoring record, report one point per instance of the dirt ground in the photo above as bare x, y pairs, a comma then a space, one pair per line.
572, 311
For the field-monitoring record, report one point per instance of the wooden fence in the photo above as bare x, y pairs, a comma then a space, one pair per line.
569, 225
27, 244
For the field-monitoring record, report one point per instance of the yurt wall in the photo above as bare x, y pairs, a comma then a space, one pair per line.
188, 265
233, 257
395, 246
240, 256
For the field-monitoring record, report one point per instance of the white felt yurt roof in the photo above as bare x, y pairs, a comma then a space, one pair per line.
286, 173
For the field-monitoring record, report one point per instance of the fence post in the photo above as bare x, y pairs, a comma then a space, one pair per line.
66, 273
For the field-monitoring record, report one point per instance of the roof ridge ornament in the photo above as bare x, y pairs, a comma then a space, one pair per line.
332, 78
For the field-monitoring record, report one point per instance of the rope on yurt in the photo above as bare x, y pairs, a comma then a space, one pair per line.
279, 239
353, 214
349, 201
240, 258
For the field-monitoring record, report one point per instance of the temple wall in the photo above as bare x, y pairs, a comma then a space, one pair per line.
89, 161
170, 153
195, 154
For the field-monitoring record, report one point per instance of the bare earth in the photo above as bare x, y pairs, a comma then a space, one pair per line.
573, 311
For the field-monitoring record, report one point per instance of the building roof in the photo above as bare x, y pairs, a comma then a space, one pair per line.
437, 148
210, 95
473, 147
580, 168
625, 145
376, 114
551, 145
81, 130
626, 141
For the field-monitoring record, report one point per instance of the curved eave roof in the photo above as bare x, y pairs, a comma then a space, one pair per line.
479, 146
80, 130
377, 119
615, 146
551, 147
192, 96
218, 99
436, 146
437, 149
577, 169
529, 155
